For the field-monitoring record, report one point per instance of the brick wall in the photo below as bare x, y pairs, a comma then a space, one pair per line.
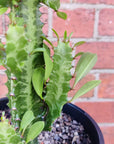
93, 22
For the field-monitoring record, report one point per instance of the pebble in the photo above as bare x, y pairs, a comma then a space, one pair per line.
65, 131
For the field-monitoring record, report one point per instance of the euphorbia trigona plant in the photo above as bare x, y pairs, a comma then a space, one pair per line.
38, 85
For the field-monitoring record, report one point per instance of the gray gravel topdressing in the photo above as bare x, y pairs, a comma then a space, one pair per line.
65, 131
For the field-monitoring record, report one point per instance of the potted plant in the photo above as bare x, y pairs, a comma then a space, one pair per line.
37, 83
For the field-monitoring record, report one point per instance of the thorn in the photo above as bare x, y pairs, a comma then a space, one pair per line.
25, 25
29, 40
12, 94
16, 128
14, 109
71, 88
73, 76
17, 119
13, 78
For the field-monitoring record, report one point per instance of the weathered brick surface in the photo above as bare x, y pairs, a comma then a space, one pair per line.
3, 88
106, 22
102, 112
106, 89
80, 22
105, 53
87, 78
108, 132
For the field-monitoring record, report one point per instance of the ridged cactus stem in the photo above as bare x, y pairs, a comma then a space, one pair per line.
13, 104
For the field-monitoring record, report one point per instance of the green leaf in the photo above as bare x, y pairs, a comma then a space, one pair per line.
54, 4
62, 15
3, 10
79, 43
48, 64
8, 134
56, 34
47, 41
65, 35
35, 130
70, 36
79, 54
26, 120
85, 88
37, 80
84, 65
37, 50
48, 61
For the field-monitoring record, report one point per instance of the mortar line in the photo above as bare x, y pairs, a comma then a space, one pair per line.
98, 39
2, 72
96, 22
106, 71
50, 19
106, 124
72, 6
92, 99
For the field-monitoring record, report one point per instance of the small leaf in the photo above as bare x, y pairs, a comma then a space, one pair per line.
54, 4
27, 119
48, 64
70, 36
3, 10
84, 65
37, 50
62, 15
79, 43
35, 130
47, 41
48, 61
86, 88
79, 54
37, 80
56, 34
65, 35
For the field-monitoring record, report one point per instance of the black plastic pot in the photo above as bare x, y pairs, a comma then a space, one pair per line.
79, 115
90, 126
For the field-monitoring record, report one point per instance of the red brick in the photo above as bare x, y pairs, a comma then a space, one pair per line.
106, 22
3, 88
79, 21
1, 29
95, 1
44, 9
106, 89
107, 1
7, 21
45, 29
108, 133
2, 68
102, 112
104, 50
87, 78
